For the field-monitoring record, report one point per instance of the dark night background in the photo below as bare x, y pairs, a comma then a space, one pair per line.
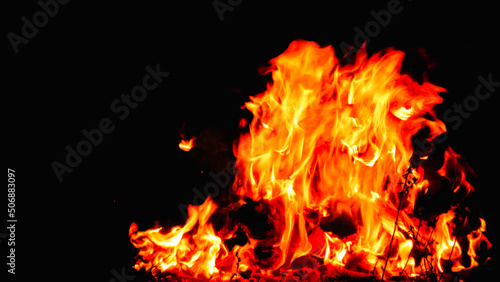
65, 79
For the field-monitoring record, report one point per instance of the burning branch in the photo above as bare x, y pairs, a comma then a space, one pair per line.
402, 194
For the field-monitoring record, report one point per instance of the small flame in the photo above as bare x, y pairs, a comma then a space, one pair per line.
186, 145
402, 113
454, 169
476, 238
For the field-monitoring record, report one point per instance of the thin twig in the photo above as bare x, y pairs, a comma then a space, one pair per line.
430, 237
237, 267
415, 238
401, 195
449, 259
407, 275
425, 267
431, 270
418, 228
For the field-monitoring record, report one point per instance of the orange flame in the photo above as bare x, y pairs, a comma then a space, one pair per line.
183, 248
186, 145
326, 151
327, 134
476, 238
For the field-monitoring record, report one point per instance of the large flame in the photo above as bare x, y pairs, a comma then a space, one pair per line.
328, 157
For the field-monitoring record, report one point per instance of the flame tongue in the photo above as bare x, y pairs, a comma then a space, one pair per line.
325, 157
182, 248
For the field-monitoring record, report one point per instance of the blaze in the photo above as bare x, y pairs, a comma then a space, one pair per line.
328, 153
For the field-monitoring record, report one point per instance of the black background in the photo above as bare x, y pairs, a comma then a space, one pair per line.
66, 77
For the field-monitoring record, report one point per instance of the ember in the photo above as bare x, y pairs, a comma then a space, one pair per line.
326, 187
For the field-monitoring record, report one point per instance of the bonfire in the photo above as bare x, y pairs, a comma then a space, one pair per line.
328, 184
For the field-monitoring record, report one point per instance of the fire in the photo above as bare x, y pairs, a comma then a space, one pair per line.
186, 145
326, 164
183, 247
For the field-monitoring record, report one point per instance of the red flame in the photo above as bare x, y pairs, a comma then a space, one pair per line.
327, 159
